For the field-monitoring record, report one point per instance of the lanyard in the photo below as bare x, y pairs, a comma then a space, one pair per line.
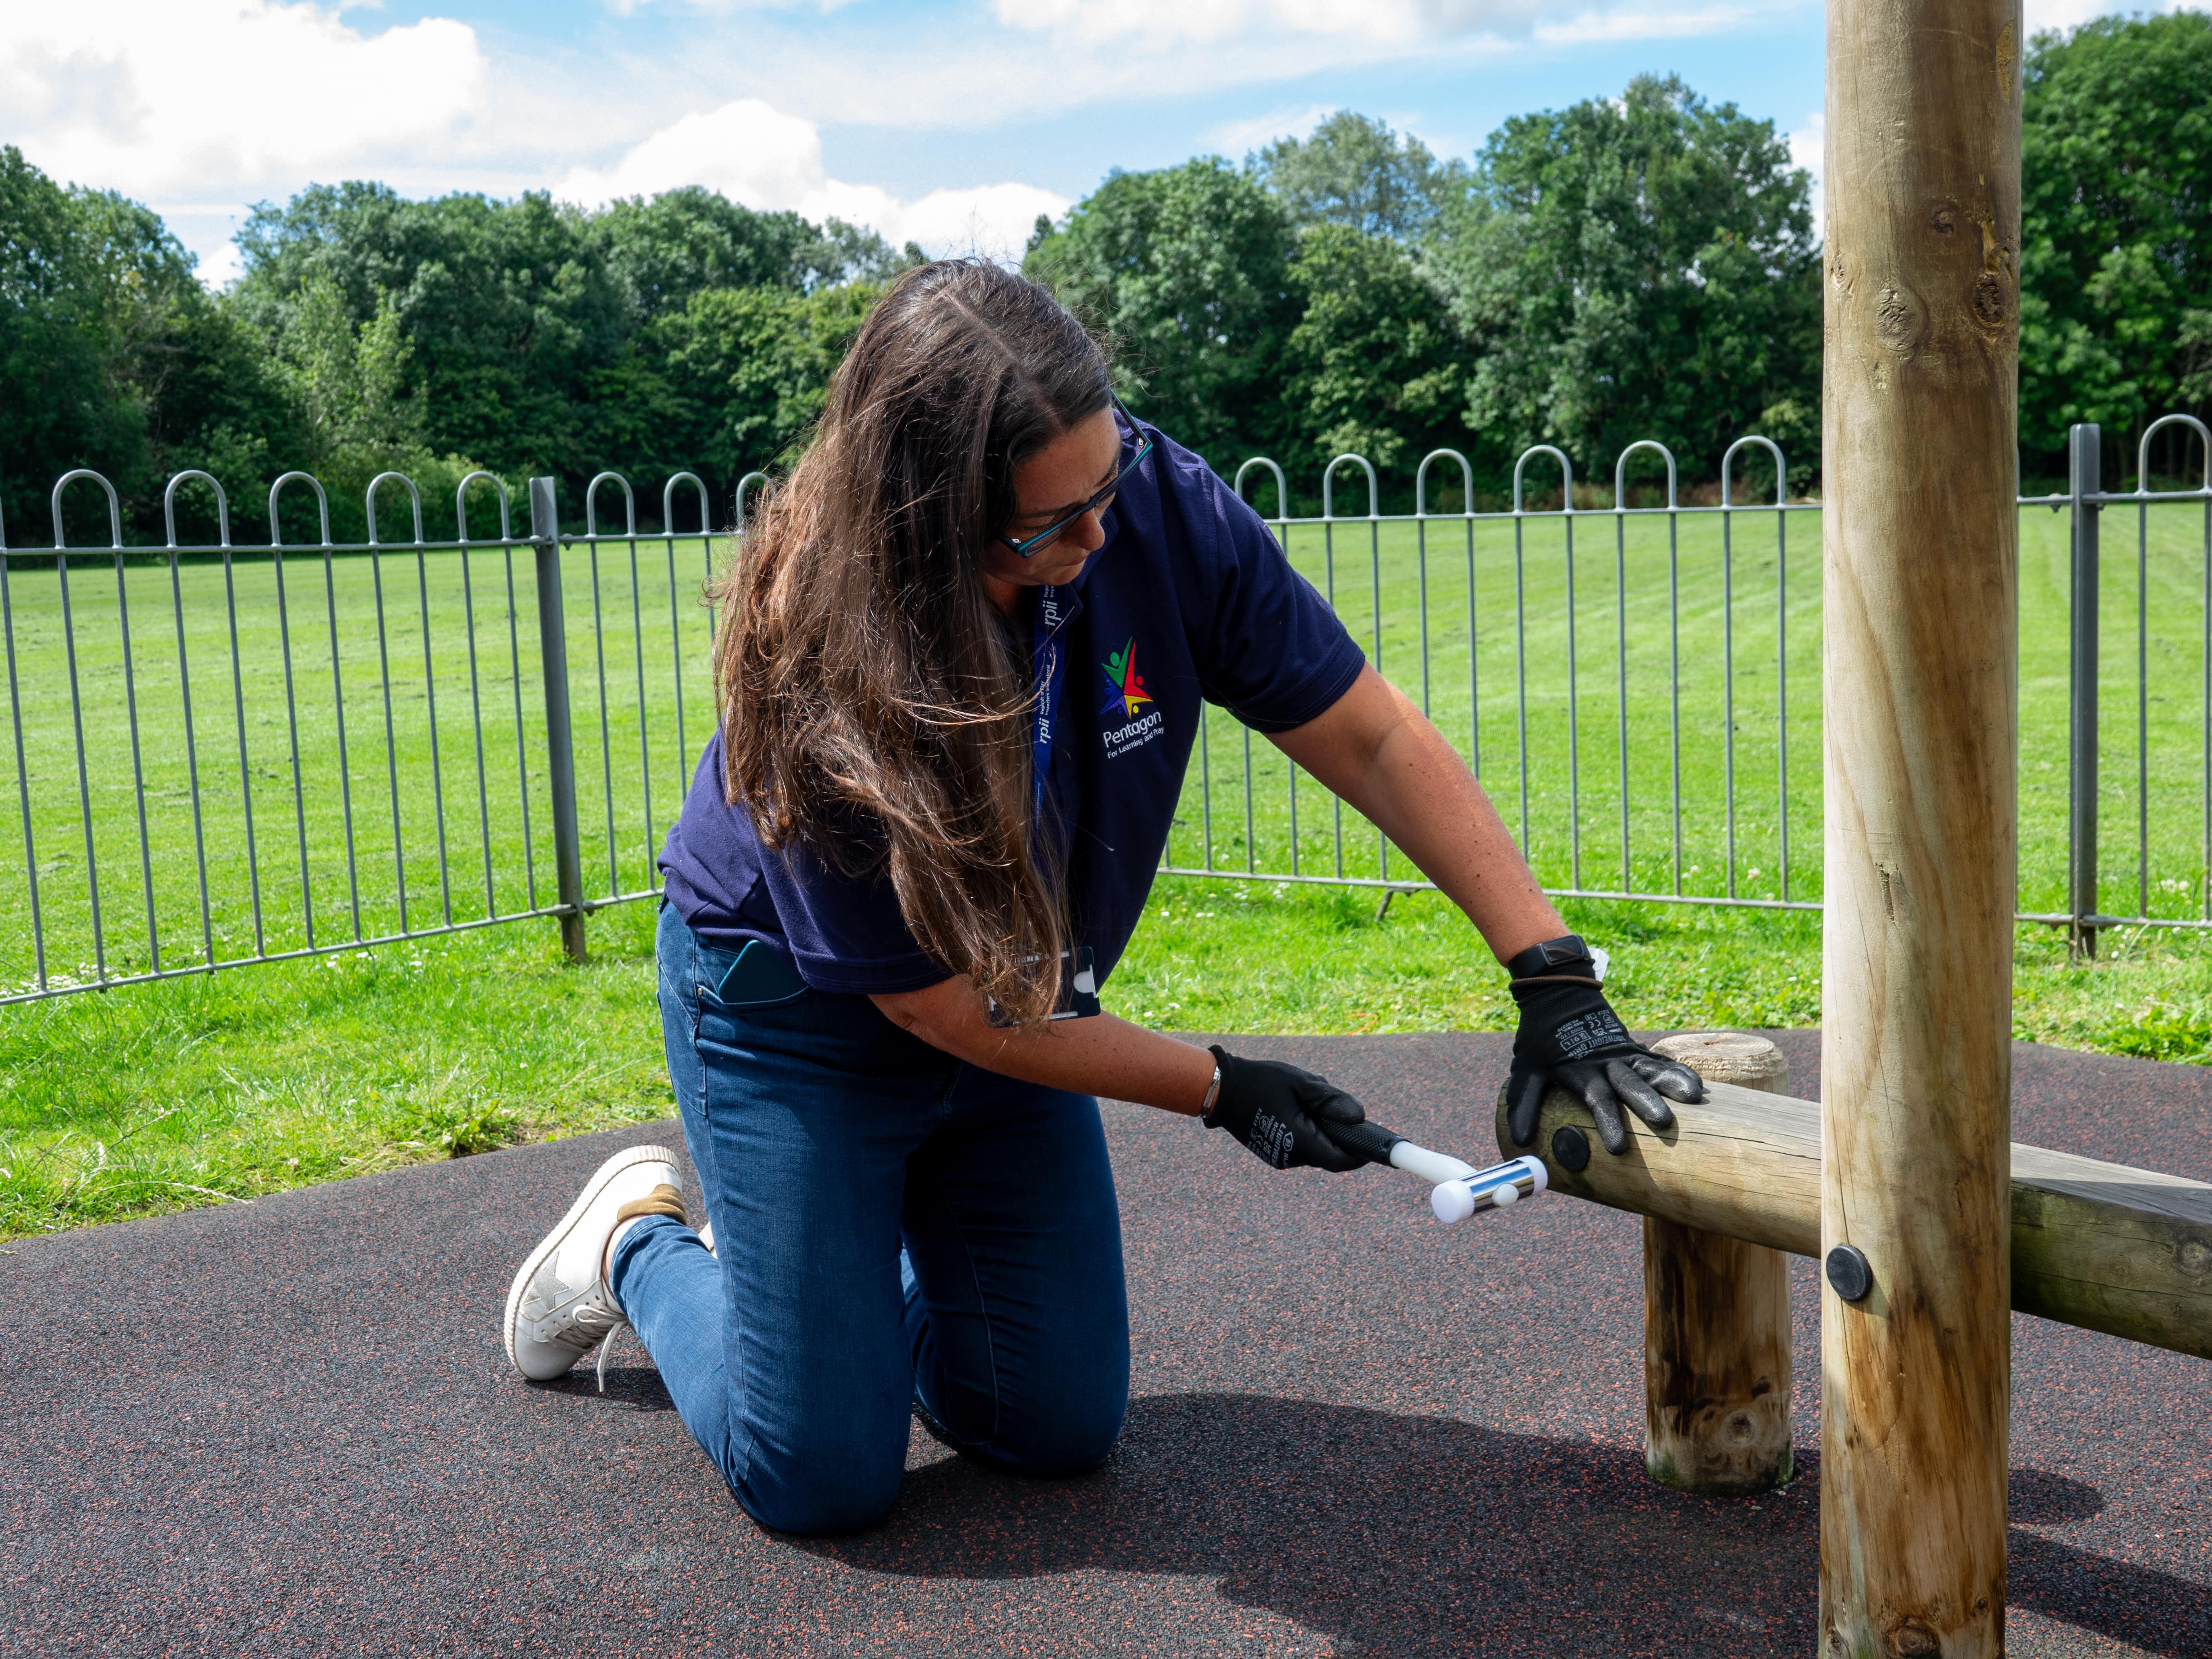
1050, 666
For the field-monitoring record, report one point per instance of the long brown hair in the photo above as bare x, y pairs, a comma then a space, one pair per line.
874, 708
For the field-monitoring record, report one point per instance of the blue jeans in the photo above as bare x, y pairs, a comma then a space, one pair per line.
891, 1225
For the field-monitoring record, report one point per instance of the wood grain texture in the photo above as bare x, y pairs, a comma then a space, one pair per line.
1918, 459
2102, 1246
1716, 1334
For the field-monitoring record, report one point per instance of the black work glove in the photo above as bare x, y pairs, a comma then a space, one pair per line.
1277, 1111
1569, 1038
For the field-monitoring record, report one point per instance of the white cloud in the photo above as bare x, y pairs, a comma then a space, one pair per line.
207, 105
221, 96
1105, 53
1634, 24
1234, 138
2042, 14
1809, 150
1396, 28
757, 155
221, 266
1158, 21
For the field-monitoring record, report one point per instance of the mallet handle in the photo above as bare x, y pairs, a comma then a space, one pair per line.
1400, 1153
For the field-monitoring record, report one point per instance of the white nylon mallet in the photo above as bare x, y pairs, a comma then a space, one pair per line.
1457, 1190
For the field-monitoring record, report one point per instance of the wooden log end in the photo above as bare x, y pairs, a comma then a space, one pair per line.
1748, 1061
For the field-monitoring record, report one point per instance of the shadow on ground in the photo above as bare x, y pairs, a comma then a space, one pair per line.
1421, 1536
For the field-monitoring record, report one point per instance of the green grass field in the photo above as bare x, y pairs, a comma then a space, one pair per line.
195, 1090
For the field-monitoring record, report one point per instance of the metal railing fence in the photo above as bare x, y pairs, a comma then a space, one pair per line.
1685, 754
332, 745
385, 757
1524, 554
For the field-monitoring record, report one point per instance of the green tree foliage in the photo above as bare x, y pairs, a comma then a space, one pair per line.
113, 356
1642, 268
1371, 367
506, 307
1188, 270
2116, 265
539, 337
666, 248
1355, 171
731, 383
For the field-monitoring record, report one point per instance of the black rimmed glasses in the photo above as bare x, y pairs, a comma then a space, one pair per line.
1031, 546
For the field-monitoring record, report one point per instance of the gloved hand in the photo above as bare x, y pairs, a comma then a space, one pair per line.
1569, 1038
1277, 1109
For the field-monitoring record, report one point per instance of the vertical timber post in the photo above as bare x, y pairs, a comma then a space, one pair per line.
1716, 1334
560, 749
2084, 483
1921, 528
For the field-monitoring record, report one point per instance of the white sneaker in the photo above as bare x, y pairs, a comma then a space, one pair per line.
707, 1235
559, 1307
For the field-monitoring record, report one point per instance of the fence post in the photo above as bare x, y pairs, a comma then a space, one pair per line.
2084, 461
561, 757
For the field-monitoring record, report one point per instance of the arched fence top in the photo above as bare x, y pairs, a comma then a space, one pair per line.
1282, 487
1566, 474
1421, 482
592, 504
1328, 487
760, 478
413, 498
114, 508
668, 504
221, 506
461, 505
322, 501
1621, 471
2142, 455
1781, 471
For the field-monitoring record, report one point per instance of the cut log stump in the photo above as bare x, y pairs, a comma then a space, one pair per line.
1716, 1321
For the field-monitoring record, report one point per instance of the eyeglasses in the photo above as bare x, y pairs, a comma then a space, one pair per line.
1030, 548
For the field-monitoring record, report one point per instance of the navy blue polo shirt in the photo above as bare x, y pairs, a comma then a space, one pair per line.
1188, 599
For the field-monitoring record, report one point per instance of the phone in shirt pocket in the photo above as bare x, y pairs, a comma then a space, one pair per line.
761, 977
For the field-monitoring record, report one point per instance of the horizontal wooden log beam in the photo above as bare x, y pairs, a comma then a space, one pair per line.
2098, 1245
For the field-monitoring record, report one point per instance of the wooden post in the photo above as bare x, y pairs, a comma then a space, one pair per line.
1918, 482
1717, 1323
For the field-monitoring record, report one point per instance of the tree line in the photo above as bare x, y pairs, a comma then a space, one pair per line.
1639, 267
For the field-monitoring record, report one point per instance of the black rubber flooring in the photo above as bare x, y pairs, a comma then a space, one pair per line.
288, 1426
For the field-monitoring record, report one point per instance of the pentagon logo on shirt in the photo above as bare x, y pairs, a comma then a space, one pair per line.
1126, 695
1124, 686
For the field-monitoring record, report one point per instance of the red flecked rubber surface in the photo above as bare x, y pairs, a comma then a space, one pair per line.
289, 1427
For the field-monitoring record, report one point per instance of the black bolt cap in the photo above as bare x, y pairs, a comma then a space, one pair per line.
1849, 1273
1570, 1148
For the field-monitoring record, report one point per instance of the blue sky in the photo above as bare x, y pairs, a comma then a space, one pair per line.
950, 122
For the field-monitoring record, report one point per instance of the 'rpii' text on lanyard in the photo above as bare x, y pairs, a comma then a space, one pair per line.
1049, 666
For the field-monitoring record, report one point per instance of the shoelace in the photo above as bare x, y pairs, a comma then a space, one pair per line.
607, 1347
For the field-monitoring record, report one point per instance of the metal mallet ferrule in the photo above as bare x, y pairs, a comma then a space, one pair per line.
1493, 1189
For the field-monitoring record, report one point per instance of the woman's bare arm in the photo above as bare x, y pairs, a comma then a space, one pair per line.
1100, 1055
1379, 752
